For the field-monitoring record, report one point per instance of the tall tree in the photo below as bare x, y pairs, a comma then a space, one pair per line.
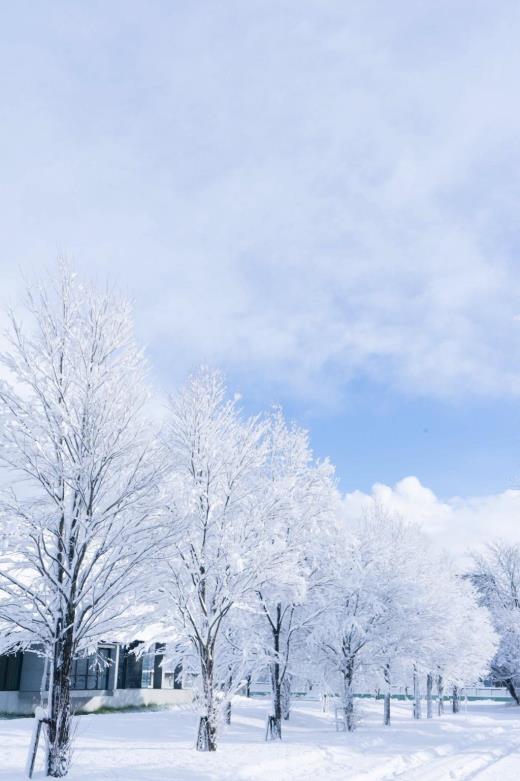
221, 551
80, 517
302, 502
350, 639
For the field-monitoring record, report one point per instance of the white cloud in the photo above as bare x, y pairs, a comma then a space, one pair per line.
455, 524
300, 192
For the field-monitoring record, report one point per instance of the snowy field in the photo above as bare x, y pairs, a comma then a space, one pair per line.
481, 744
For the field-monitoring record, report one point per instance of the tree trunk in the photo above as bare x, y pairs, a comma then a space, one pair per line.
205, 736
207, 731
59, 723
348, 701
440, 695
456, 700
510, 686
275, 728
386, 705
274, 723
286, 697
429, 699
227, 694
416, 696
386, 718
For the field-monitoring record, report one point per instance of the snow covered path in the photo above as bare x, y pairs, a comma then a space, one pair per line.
485, 763
482, 745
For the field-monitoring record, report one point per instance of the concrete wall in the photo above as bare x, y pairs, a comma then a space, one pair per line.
24, 703
122, 698
10, 703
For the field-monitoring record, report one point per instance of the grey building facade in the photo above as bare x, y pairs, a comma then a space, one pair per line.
114, 677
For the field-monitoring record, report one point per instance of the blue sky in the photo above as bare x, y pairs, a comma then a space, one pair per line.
319, 197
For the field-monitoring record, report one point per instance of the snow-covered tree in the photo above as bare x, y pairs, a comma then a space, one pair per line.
399, 560
496, 576
353, 639
451, 640
438, 633
301, 496
222, 553
392, 620
79, 519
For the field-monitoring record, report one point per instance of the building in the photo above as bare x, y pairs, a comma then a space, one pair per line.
114, 678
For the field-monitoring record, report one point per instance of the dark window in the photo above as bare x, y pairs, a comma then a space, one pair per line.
148, 660
141, 671
10, 670
157, 669
121, 670
92, 672
151, 677
130, 668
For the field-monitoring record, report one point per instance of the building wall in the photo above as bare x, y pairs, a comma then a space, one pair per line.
10, 704
128, 693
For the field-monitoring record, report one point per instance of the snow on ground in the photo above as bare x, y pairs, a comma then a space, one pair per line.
482, 744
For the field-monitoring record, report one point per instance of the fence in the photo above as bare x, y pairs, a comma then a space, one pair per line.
470, 693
